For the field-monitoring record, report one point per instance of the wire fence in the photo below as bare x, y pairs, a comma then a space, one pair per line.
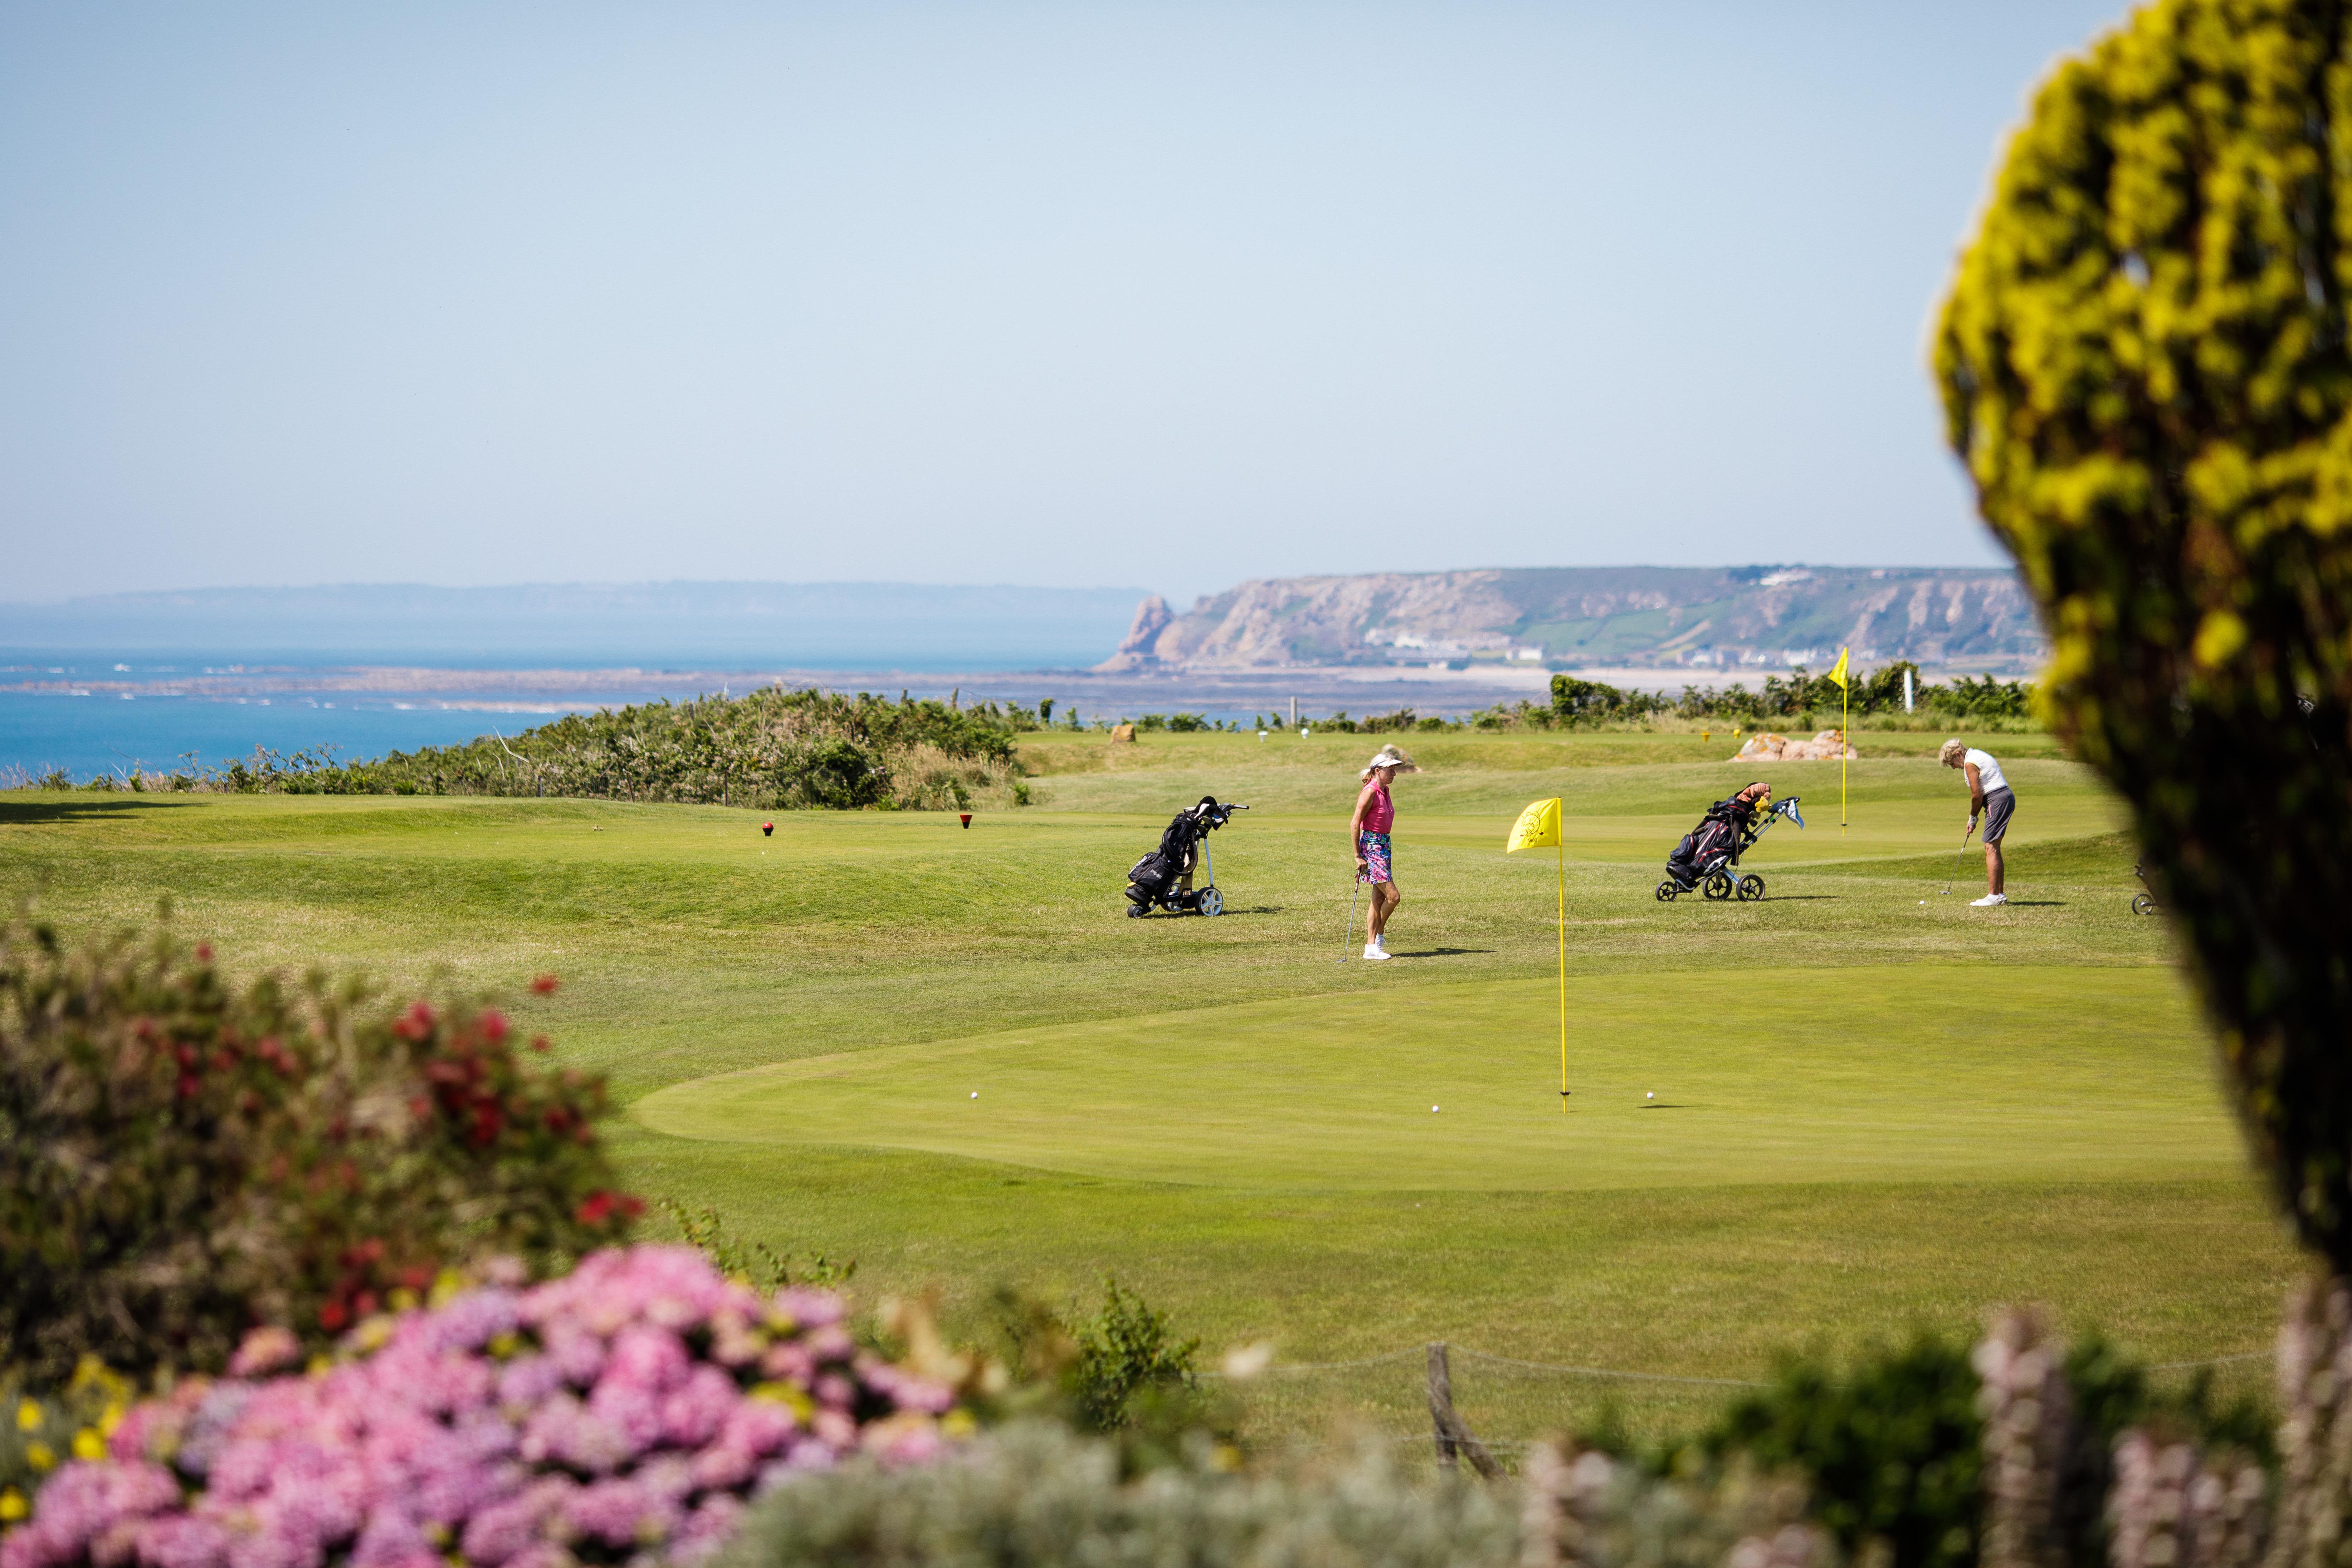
1510, 1403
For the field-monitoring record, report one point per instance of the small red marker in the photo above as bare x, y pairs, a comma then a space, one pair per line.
767, 829
967, 817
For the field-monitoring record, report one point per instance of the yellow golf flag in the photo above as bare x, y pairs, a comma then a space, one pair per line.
1537, 827
1838, 674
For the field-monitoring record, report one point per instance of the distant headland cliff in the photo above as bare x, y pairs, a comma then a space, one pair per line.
1696, 617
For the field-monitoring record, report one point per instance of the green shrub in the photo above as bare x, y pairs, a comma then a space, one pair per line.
1127, 1358
1121, 1373
2144, 367
772, 749
754, 1262
1893, 1447
1796, 699
182, 1159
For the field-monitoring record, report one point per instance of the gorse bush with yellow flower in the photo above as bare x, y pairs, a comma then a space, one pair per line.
46, 1429
182, 1159
2146, 366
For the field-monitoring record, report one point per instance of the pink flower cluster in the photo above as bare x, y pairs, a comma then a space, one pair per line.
625, 1411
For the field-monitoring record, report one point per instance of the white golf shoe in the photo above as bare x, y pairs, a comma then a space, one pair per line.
1375, 951
1989, 900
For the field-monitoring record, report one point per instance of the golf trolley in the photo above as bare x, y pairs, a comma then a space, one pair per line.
2144, 903
1163, 878
1708, 857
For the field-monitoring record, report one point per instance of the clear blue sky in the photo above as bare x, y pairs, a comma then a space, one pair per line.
1167, 295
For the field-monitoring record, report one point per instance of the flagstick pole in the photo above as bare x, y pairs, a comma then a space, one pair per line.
1845, 689
1560, 853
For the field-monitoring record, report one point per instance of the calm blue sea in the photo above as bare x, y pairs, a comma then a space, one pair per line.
96, 684
104, 733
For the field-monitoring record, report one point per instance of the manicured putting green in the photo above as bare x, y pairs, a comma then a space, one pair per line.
1866, 1074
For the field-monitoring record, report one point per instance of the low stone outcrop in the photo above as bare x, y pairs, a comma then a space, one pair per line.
1826, 746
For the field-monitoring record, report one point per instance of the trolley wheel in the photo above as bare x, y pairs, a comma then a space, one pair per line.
2142, 904
1667, 889
1718, 886
1211, 902
1750, 887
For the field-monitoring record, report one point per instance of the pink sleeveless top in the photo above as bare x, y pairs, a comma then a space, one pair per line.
1380, 815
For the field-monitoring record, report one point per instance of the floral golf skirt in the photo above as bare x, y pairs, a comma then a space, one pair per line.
1374, 848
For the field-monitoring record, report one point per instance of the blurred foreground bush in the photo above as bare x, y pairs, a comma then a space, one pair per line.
2146, 368
182, 1159
624, 1410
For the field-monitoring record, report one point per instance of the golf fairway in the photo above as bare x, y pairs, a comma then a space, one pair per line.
1867, 1074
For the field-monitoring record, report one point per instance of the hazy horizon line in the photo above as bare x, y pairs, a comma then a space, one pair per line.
888, 583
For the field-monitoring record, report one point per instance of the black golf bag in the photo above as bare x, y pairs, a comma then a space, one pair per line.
1163, 878
1704, 847
1708, 858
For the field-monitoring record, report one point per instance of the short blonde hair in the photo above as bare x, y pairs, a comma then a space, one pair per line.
1950, 752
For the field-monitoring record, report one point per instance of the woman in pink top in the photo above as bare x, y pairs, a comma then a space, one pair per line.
1368, 832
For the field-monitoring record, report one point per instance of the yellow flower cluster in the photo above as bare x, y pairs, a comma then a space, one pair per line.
2145, 365
78, 1419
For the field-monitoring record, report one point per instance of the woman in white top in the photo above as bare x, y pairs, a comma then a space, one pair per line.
1988, 796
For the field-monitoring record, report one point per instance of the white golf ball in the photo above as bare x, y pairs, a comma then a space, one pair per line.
975, 1094
1651, 1095
1433, 1110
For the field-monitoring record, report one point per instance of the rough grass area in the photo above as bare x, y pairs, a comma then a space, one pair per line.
1882, 1112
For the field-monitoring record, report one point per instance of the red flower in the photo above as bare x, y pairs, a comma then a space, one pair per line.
333, 1316
416, 1024
538, 1042
597, 1207
543, 984
188, 1086
204, 952
494, 1025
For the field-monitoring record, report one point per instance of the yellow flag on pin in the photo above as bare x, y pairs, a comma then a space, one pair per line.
1838, 674
1536, 829
1539, 828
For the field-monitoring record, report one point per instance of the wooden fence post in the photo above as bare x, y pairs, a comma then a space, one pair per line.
1441, 1404
1452, 1436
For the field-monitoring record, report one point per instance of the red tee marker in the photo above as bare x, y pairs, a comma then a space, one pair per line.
967, 817
767, 829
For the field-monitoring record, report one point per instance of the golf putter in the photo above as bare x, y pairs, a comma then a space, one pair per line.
1347, 933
